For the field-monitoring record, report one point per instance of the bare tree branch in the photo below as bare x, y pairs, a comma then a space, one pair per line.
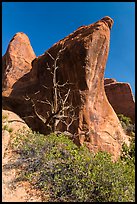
37, 92
26, 98
66, 97
60, 108
50, 55
38, 115
45, 87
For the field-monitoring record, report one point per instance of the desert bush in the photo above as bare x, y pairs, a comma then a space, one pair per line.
67, 173
127, 124
5, 123
128, 153
5, 126
125, 119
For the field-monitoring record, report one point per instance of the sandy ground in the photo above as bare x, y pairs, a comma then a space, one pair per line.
13, 190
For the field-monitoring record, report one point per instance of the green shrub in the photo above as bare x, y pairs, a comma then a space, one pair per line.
125, 119
128, 153
4, 117
5, 123
6, 127
127, 124
68, 173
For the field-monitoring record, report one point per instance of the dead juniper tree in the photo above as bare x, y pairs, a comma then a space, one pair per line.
61, 109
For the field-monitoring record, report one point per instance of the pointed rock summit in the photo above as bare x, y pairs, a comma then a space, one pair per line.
109, 21
17, 61
81, 60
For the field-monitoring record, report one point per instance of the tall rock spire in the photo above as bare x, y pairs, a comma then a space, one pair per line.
16, 61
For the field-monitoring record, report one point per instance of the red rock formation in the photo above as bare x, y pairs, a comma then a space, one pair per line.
120, 97
82, 60
17, 61
109, 81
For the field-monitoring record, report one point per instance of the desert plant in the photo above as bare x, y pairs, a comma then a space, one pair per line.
127, 124
66, 172
128, 153
125, 119
6, 127
4, 117
6, 123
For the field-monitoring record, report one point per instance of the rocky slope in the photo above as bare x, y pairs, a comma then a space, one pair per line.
13, 190
79, 61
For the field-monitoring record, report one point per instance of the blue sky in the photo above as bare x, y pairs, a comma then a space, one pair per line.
47, 22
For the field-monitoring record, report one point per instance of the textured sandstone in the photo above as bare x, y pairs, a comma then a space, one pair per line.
121, 98
109, 81
13, 122
16, 62
82, 63
5, 141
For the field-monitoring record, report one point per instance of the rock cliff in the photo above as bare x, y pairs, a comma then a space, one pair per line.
120, 97
79, 62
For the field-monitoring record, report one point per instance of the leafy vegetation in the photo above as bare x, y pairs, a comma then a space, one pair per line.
127, 125
128, 153
5, 123
66, 173
6, 127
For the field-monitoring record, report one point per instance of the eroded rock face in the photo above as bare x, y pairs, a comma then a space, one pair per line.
16, 62
109, 81
120, 97
13, 122
82, 60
